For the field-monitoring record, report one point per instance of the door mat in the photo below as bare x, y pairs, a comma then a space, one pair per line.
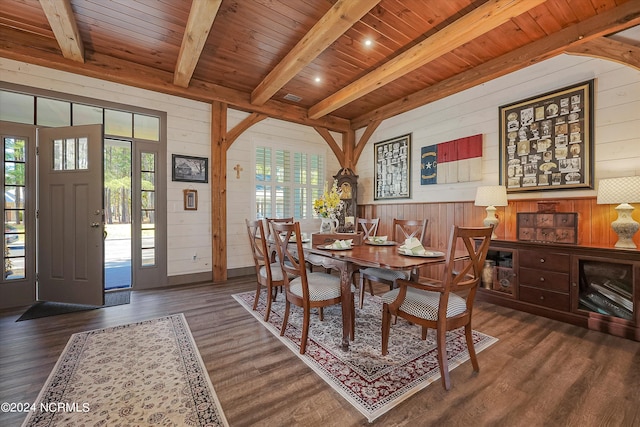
47, 308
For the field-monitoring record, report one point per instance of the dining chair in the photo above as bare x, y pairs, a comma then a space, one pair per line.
369, 227
441, 304
402, 229
268, 272
270, 220
308, 289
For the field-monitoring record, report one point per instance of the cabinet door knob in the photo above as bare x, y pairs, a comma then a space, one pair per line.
541, 259
541, 298
542, 279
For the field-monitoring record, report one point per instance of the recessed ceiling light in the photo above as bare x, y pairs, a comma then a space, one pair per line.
318, 79
368, 42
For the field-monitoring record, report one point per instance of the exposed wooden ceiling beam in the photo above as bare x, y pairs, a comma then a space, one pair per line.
611, 21
44, 52
239, 129
364, 138
479, 21
607, 48
201, 17
328, 29
64, 27
337, 150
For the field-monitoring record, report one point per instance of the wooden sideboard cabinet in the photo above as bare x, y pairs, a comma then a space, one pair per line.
594, 287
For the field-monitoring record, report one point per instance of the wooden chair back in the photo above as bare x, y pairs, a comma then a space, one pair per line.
406, 228
259, 248
369, 226
476, 241
268, 221
291, 253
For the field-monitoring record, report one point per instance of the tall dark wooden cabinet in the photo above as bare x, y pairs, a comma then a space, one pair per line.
347, 182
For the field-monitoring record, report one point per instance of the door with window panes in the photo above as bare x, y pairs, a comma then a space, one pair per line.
70, 215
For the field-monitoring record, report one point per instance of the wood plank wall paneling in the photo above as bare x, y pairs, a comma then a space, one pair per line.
594, 221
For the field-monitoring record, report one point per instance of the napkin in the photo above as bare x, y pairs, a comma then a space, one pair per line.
340, 244
378, 239
412, 246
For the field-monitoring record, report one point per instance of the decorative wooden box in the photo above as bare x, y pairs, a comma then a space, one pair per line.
327, 238
557, 227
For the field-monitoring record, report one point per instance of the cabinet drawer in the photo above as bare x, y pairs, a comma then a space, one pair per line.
544, 279
544, 298
544, 260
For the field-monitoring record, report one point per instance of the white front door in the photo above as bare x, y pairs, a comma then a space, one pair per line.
70, 215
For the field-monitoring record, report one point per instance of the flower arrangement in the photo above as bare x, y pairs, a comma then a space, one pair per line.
329, 205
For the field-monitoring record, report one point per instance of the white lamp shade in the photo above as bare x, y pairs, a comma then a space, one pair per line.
613, 191
491, 195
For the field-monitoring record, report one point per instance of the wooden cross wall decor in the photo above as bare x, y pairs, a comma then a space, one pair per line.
238, 169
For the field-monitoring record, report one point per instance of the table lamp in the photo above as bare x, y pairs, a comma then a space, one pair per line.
625, 190
491, 196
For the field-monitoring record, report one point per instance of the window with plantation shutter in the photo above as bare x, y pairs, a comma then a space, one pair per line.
286, 182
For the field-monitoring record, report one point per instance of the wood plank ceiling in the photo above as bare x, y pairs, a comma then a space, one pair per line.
256, 55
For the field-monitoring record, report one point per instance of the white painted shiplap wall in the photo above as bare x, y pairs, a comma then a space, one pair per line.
475, 111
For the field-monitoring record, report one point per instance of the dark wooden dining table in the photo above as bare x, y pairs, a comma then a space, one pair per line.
364, 255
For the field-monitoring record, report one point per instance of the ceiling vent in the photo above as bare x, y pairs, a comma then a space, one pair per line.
292, 97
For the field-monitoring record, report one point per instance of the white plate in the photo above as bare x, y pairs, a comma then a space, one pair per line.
330, 248
427, 254
385, 243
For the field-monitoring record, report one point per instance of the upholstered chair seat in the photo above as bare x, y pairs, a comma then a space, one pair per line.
425, 304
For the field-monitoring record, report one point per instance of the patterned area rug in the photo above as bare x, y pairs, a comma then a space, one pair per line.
145, 373
372, 383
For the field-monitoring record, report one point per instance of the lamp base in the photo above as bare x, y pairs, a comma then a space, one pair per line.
491, 219
625, 227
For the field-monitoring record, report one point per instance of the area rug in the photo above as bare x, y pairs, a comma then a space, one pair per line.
48, 308
372, 383
139, 374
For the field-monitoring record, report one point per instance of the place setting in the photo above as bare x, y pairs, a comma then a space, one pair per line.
304, 238
338, 245
379, 241
413, 247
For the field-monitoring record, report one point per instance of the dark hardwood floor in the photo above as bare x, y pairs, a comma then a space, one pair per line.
540, 373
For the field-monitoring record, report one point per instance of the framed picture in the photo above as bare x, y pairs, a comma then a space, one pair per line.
392, 168
546, 142
190, 169
190, 200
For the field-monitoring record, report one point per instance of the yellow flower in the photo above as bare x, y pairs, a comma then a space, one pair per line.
329, 204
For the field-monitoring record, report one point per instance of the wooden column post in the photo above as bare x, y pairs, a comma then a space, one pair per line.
348, 147
219, 190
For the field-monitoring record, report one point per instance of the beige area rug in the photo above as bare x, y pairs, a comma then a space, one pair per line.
140, 374
372, 383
